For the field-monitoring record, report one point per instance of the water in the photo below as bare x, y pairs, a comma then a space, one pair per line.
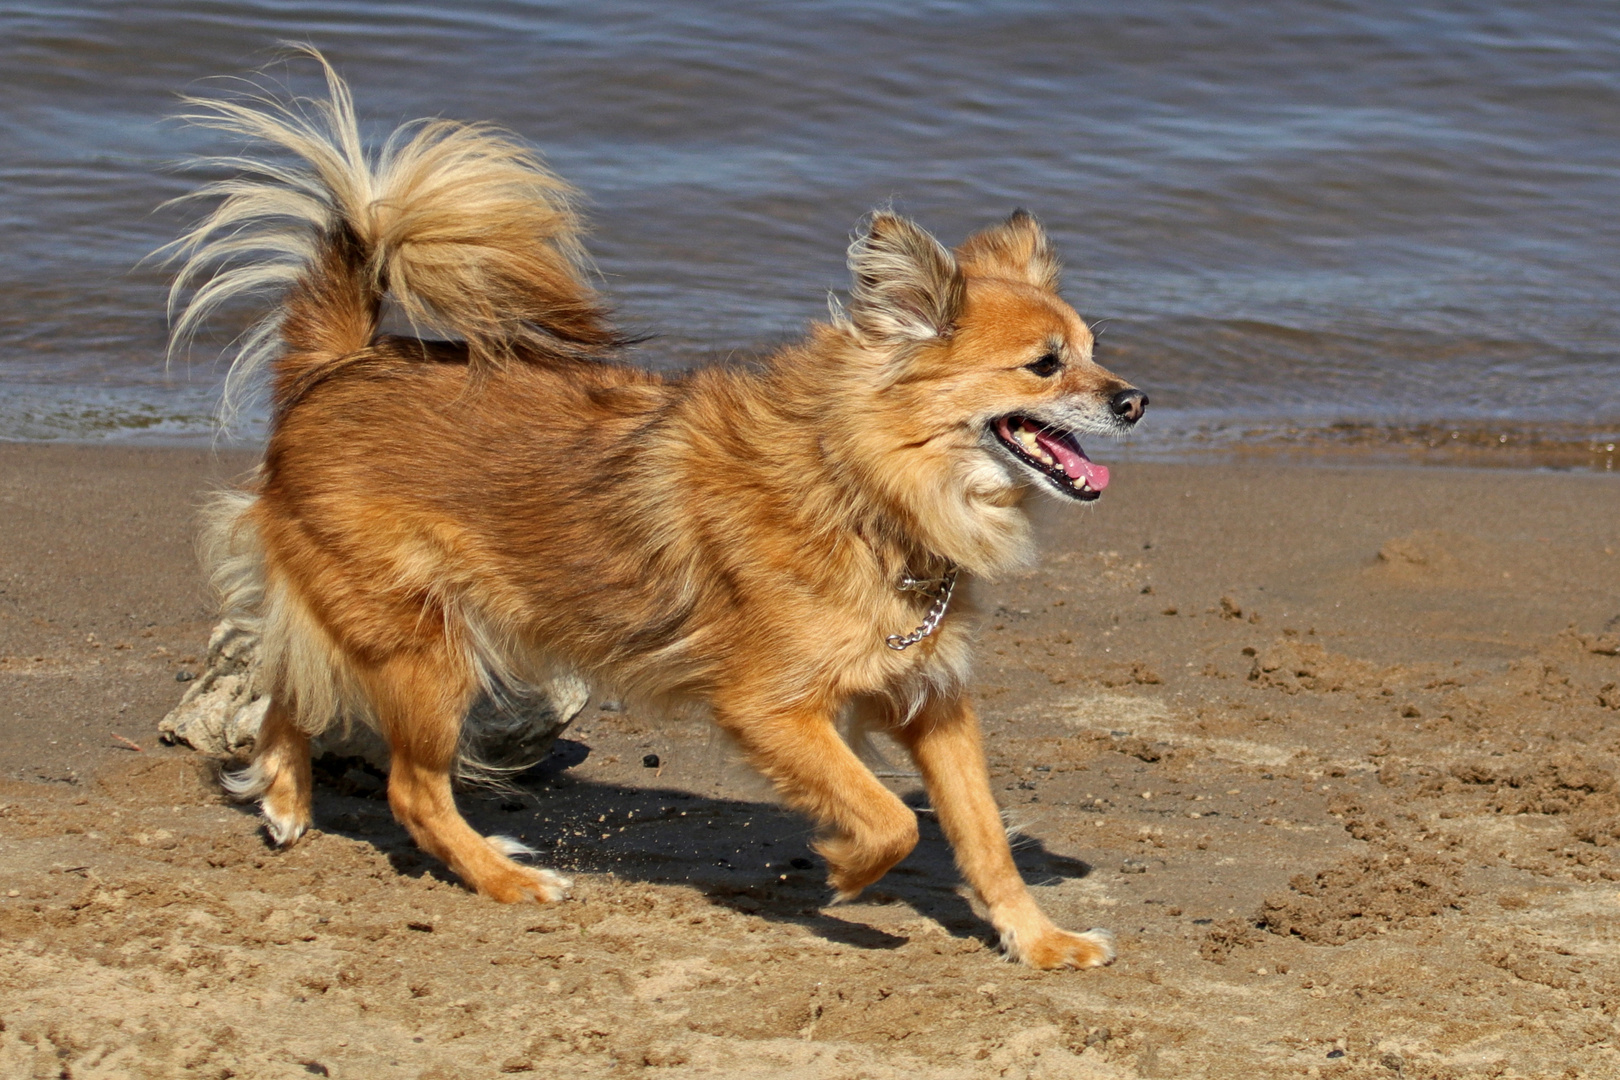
1302, 222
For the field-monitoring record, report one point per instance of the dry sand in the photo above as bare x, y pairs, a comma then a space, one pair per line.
1333, 750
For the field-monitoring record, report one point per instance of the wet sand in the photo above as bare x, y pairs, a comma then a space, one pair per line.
1333, 750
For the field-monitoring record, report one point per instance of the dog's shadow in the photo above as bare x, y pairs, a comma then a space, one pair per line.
748, 856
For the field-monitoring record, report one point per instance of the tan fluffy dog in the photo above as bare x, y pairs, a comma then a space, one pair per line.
436, 517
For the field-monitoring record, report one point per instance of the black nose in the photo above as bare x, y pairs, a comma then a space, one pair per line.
1129, 405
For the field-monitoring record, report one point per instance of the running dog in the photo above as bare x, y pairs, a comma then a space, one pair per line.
500, 498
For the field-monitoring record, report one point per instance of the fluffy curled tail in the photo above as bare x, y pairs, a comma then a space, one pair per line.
458, 226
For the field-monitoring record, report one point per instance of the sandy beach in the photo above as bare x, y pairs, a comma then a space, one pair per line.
1333, 751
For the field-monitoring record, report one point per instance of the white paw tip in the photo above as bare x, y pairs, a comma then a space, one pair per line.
551, 887
1104, 940
283, 830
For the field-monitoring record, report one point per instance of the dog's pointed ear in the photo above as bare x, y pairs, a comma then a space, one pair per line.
907, 286
1016, 249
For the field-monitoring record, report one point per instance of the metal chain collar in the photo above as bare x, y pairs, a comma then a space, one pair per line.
936, 612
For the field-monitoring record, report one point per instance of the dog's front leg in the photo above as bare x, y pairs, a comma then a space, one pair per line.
867, 828
944, 741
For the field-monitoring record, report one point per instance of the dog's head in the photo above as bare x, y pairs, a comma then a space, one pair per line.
983, 373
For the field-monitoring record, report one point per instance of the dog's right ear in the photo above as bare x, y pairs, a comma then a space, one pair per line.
907, 286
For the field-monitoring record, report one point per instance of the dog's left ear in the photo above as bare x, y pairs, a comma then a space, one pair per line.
1016, 249
907, 286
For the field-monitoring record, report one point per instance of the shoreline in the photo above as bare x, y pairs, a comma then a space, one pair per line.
1505, 446
1519, 446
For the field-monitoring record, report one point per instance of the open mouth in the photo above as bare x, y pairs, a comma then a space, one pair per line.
1053, 453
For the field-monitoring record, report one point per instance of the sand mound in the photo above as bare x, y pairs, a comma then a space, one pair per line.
1436, 557
1581, 787
1291, 665
1369, 893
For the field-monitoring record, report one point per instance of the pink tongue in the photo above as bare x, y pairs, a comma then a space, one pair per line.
1075, 464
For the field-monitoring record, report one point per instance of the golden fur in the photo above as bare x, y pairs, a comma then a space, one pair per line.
433, 517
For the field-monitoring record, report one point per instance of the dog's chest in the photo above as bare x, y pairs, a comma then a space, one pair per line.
922, 644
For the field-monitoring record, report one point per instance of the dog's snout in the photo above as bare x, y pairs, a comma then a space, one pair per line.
1129, 405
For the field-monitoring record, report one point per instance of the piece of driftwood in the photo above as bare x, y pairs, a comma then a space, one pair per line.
223, 707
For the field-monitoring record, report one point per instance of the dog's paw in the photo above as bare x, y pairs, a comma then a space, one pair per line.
526, 884
286, 815
284, 827
855, 862
1054, 948
512, 883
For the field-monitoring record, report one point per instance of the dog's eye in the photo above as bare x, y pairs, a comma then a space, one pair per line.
1046, 366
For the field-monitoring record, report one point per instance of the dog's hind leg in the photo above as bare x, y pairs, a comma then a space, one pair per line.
279, 776
945, 743
867, 828
420, 700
